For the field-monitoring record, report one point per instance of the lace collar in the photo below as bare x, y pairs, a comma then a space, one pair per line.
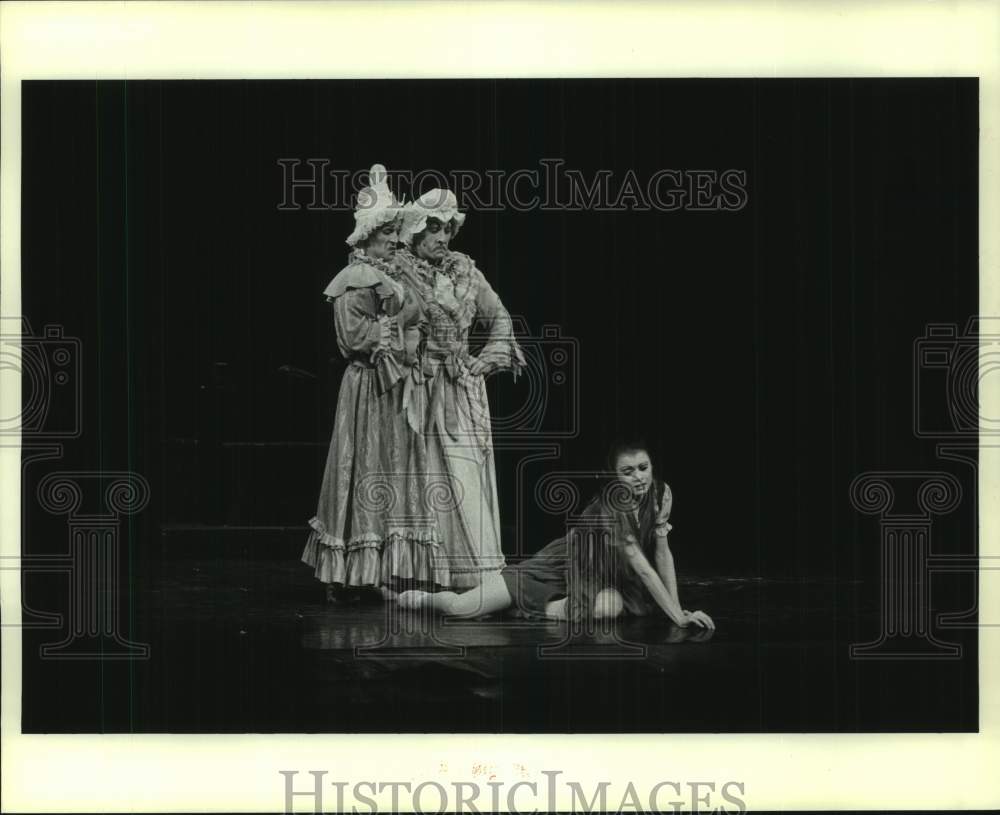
427, 269
384, 266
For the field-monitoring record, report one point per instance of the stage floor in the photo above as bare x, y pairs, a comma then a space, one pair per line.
248, 645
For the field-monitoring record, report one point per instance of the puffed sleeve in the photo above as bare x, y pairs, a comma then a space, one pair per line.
664, 505
501, 350
355, 321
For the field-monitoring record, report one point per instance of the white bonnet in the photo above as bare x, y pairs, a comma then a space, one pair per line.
376, 206
440, 204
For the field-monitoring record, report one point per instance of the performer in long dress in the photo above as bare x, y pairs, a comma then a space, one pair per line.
453, 294
599, 570
371, 527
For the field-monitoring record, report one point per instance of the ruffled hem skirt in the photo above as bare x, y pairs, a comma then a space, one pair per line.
398, 507
404, 558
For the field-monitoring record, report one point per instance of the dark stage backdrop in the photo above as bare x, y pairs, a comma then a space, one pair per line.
765, 353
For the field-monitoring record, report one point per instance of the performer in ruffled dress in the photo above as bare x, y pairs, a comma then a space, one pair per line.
450, 404
371, 527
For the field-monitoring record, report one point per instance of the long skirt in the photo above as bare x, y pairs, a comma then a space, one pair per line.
397, 506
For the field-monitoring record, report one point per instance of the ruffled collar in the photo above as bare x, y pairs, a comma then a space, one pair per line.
385, 266
427, 269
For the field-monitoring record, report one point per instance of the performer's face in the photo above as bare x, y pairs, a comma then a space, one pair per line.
635, 470
432, 243
382, 242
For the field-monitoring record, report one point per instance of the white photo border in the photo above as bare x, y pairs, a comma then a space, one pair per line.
265, 40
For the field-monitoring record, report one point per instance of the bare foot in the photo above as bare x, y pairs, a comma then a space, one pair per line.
389, 595
413, 598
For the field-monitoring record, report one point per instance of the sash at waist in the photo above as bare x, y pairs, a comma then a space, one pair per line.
425, 392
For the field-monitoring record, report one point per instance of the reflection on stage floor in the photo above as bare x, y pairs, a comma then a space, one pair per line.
249, 645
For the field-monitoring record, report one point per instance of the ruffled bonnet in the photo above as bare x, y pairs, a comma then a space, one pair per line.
439, 204
376, 206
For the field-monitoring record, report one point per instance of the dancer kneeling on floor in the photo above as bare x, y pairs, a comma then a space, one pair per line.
598, 570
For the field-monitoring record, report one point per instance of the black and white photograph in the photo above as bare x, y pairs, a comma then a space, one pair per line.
501, 406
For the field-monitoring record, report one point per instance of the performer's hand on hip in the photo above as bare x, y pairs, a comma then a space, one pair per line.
478, 367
